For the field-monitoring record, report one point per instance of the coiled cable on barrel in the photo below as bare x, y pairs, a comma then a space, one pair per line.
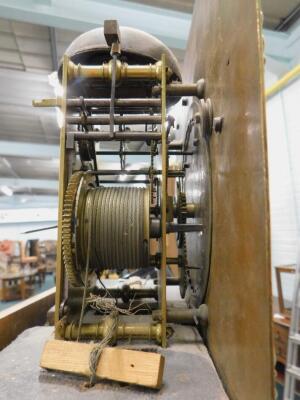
118, 227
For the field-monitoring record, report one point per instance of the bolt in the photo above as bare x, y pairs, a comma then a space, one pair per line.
218, 124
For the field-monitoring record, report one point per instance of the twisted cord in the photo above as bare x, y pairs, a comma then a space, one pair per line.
98, 348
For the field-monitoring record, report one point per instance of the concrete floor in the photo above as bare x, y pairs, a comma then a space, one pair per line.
189, 373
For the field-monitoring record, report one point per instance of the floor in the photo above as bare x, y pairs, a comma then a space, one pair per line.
49, 283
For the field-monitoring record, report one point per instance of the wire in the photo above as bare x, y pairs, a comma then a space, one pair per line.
85, 279
112, 96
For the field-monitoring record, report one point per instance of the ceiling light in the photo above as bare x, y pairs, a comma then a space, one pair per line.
54, 82
59, 117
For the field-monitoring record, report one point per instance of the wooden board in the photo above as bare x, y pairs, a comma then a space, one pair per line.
130, 366
24, 315
225, 48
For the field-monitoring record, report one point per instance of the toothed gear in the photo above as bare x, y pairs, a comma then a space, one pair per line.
183, 278
182, 216
181, 240
73, 274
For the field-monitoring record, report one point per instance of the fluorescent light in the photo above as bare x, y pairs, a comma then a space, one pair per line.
58, 91
54, 82
59, 117
6, 190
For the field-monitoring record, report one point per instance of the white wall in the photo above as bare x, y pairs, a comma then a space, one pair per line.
283, 126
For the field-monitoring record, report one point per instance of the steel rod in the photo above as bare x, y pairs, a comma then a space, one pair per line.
118, 102
155, 259
171, 227
111, 172
179, 89
104, 136
124, 292
176, 145
131, 181
140, 153
98, 103
182, 316
137, 119
156, 228
171, 281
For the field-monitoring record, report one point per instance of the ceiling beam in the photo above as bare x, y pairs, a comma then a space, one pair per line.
170, 26
289, 20
53, 46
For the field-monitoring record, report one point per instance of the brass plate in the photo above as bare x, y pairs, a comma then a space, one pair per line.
225, 48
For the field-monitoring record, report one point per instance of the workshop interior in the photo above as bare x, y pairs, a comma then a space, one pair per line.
149, 197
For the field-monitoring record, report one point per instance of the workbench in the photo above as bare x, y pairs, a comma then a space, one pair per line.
189, 373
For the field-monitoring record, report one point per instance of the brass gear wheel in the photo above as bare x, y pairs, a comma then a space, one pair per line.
183, 278
73, 274
181, 240
181, 217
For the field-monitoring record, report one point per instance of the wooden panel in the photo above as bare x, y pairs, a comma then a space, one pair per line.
26, 314
225, 48
130, 366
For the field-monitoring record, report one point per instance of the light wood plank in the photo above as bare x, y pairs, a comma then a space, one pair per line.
118, 364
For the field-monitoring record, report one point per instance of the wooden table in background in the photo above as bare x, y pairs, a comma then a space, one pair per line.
16, 286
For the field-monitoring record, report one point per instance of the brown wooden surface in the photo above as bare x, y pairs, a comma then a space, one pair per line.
225, 48
24, 315
130, 366
17, 285
281, 328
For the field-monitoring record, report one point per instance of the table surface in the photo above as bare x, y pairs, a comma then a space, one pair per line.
189, 373
18, 275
